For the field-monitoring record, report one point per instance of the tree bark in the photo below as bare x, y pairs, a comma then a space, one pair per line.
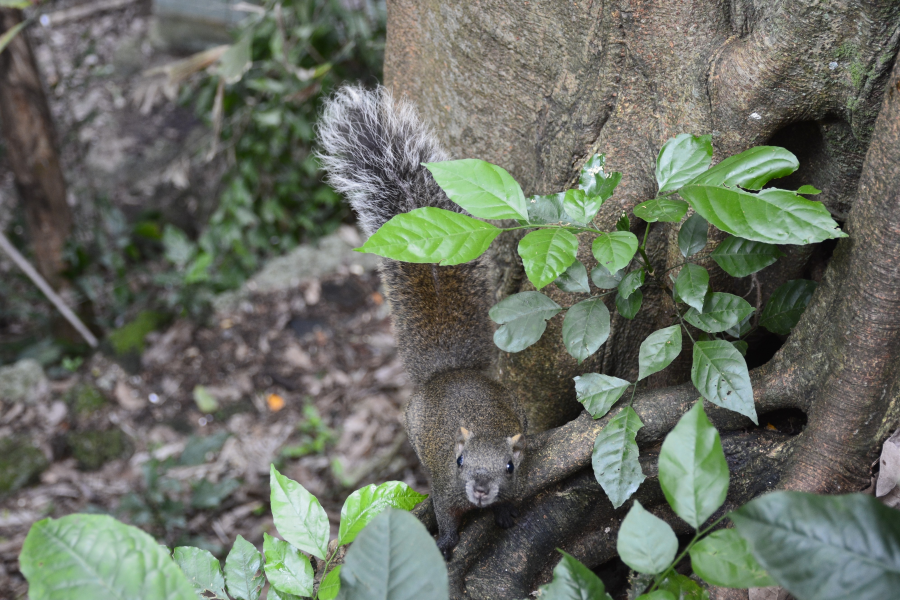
538, 88
28, 133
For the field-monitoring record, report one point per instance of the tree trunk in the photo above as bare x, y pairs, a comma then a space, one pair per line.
539, 87
27, 129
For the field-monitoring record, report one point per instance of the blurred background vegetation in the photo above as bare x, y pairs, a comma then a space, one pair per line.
131, 271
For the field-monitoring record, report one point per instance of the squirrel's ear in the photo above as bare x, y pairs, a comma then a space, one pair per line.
517, 445
462, 438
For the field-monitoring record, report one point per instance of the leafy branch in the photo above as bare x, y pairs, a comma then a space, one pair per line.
729, 196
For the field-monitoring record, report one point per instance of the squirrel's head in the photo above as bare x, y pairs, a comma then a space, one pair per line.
488, 466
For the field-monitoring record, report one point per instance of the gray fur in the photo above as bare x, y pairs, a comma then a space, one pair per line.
372, 147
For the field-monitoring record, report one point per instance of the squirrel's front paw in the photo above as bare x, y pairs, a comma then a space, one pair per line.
505, 515
446, 543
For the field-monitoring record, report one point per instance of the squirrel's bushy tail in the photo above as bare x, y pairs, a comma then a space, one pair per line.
372, 147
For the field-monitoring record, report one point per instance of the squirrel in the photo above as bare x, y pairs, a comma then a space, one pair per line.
466, 428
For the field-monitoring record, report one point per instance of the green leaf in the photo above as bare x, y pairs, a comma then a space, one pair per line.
299, 517
547, 253
646, 543
692, 285
517, 335
591, 171
208, 495
615, 457
431, 235
692, 235
693, 472
740, 329
20, 4
197, 448
523, 317
720, 373
274, 594
629, 307
523, 304
594, 182
573, 581
203, 571
632, 282
681, 159
615, 250
784, 308
177, 247
599, 186
394, 558
741, 346
624, 223
244, 571
580, 206
10, 34
808, 190
585, 328
485, 190
366, 503
574, 279
548, 210
772, 216
657, 595
236, 60
721, 311
825, 547
287, 569
661, 209
605, 280
599, 392
659, 350
331, 585
605, 189
86, 557
723, 559
683, 588
739, 257
751, 169
199, 269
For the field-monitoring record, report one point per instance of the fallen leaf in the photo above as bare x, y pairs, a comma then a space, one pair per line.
127, 397
889, 466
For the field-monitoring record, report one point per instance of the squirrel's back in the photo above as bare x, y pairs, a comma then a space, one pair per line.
373, 147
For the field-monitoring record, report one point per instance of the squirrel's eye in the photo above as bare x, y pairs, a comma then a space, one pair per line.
459, 460
509, 468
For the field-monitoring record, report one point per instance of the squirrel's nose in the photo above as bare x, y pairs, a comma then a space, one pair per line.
479, 491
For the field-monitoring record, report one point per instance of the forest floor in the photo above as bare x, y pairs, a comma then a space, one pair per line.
305, 376
299, 368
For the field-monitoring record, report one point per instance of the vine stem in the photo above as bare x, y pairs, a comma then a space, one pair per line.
686, 330
643, 250
325, 572
662, 576
555, 226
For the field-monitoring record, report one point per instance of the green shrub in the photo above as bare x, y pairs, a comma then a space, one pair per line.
262, 103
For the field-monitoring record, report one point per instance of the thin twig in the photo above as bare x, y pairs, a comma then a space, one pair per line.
42, 284
755, 283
